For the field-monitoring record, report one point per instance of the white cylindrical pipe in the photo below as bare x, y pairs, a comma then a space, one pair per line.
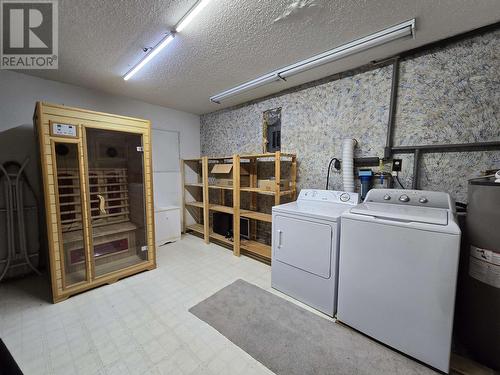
348, 163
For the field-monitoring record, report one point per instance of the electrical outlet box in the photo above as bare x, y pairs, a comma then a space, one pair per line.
396, 165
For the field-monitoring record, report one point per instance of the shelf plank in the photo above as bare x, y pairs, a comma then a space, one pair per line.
266, 192
256, 248
220, 187
265, 155
257, 190
198, 228
221, 238
221, 208
196, 184
195, 204
256, 156
219, 158
261, 216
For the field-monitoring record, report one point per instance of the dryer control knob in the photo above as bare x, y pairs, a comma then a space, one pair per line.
387, 197
404, 198
344, 197
423, 200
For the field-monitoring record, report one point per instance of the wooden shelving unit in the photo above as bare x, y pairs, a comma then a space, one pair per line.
198, 196
201, 188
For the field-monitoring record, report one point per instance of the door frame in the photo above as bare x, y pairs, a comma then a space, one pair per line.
62, 255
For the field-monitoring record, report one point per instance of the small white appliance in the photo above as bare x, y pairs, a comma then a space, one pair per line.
305, 243
399, 253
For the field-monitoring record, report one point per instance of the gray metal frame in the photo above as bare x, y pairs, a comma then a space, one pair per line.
14, 201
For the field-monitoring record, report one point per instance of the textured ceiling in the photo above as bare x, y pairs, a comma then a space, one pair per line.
232, 41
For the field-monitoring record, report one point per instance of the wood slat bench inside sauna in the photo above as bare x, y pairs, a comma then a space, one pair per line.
112, 230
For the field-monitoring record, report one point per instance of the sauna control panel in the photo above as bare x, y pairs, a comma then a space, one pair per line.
65, 130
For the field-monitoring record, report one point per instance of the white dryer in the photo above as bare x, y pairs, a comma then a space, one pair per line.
305, 243
399, 256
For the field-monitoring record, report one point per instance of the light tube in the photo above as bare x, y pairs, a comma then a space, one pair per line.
191, 14
370, 41
154, 51
396, 32
268, 78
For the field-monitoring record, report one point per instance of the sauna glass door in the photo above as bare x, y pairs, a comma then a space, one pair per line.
73, 256
117, 205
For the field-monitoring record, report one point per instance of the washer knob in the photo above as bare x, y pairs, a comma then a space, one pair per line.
404, 198
423, 200
387, 197
344, 197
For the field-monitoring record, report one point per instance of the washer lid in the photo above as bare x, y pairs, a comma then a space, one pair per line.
402, 213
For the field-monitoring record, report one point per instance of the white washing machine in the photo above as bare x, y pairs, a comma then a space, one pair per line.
305, 242
398, 271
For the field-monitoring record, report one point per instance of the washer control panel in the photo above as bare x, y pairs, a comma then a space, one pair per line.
435, 199
329, 196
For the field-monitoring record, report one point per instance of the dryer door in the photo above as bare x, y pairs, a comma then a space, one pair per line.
303, 244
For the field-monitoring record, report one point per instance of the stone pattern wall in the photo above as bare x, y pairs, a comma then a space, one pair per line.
448, 95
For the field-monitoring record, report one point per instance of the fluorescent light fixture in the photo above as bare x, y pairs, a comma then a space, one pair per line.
191, 14
396, 32
268, 78
154, 51
388, 35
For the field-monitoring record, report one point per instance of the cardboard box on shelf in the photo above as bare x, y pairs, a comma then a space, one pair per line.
222, 175
271, 184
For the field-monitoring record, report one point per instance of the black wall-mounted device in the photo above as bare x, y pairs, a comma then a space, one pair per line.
396, 165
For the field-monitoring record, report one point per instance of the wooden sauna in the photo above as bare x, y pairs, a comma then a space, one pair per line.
97, 178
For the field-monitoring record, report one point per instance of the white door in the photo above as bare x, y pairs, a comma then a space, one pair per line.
166, 168
303, 244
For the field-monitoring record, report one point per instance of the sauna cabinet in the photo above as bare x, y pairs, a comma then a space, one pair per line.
96, 171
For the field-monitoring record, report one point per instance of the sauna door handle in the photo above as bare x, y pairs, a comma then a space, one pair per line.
102, 204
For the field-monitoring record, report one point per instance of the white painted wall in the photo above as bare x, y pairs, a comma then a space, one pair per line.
19, 93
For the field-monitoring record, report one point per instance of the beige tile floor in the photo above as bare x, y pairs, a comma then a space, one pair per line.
139, 325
